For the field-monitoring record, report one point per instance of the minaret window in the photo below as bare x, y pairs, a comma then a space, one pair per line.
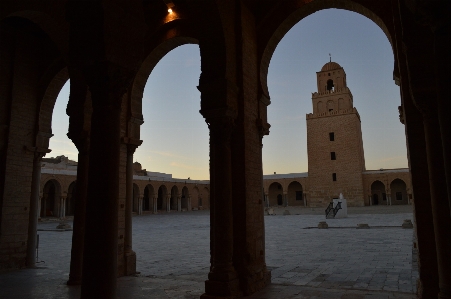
333, 156
331, 136
330, 84
334, 176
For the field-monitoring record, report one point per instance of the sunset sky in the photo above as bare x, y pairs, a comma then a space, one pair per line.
175, 136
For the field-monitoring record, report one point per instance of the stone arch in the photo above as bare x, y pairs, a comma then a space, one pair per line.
70, 200
48, 101
291, 13
45, 22
173, 201
161, 199
51, 195
275, 194
378, 193
398, 192
295, 194
185, 198
148, 198
135, 198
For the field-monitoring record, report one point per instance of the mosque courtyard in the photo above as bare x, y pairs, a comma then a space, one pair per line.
305, 262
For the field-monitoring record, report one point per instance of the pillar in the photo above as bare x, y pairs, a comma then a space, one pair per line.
141, 205
105, 81
168, 203
129, 254
189, 203
155, 204
179, 204
285, 199
427, 285
79, 196
439, 201
33, 213
62, 210
305, 199
39, 206
222, 279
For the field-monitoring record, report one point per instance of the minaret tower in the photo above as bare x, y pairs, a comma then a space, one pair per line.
334, 141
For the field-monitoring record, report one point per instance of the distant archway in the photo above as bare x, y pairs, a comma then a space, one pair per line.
378, 194
295, 194
275, 194
148, 198
161, 201
398, 190
50, 203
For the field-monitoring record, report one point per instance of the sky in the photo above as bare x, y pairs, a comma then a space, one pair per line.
175, 135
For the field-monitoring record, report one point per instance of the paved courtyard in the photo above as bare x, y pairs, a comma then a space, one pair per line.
305, 262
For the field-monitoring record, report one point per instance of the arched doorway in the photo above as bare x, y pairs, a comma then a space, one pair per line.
70, 200
50, 203
378, 194
161, 200
148, 198
174, 198
398, 190
275, 194
295, 195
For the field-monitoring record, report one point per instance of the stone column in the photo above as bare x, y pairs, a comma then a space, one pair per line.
155, 204
106, 83
222, 279
129, 254
389, 197
62, 212
305, 199
427, 285
39, 207
179, 204
189, 203
285, 199
79, 197
34, 201
168, 204
439, 196
140, 205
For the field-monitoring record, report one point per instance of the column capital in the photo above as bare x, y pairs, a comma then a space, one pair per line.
221, 123
81, 139
132, 144
38, 152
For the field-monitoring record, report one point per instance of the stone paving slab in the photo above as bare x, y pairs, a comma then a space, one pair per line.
173, 258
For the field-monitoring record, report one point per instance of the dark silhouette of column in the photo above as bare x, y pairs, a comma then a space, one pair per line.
439, 201
222, 279
34, 202
79, 197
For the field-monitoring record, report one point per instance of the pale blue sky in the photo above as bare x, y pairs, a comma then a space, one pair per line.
175, 136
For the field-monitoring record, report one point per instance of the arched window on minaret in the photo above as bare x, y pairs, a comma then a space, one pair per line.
330, 106
330, 84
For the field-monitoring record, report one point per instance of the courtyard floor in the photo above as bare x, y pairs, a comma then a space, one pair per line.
305, 262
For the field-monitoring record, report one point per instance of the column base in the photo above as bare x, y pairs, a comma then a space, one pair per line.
222, 289
256, 282
130, 263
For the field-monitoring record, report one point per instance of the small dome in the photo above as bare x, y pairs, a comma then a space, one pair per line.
330, 66
137, 166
